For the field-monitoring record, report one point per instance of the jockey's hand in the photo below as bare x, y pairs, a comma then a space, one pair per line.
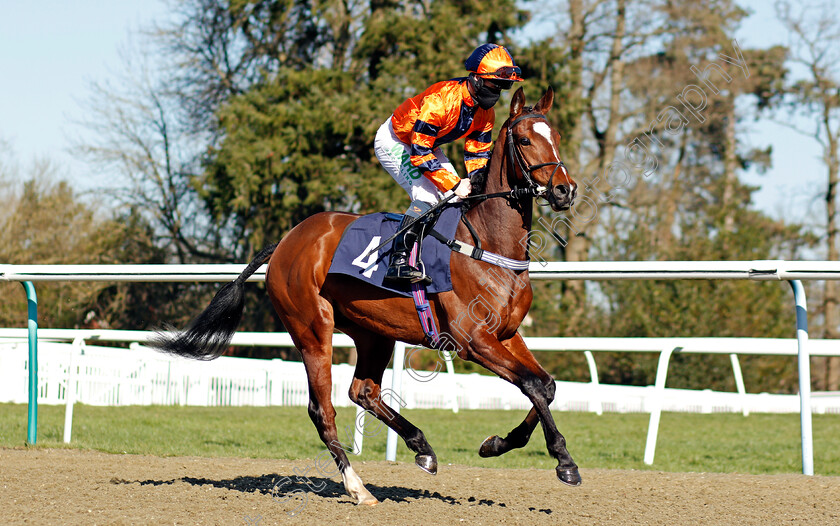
463, 188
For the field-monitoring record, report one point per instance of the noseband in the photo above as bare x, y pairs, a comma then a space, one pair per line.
534, 189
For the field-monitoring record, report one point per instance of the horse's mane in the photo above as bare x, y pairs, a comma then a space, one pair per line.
479, 181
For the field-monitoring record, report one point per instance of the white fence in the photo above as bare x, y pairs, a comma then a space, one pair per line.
138, 376
110, 376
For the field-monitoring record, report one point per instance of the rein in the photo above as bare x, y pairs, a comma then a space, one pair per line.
516, 194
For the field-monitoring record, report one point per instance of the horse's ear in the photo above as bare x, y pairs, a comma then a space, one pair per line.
517, 103
545, 102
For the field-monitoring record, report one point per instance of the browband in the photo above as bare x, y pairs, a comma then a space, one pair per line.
527, 116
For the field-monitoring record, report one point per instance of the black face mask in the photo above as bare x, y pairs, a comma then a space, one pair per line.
485, 96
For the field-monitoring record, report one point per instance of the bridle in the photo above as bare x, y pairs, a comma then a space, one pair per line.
517, 194
534, 189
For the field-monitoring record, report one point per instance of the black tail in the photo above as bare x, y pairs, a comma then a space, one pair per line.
209, 334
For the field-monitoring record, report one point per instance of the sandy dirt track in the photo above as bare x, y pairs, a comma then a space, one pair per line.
44, 486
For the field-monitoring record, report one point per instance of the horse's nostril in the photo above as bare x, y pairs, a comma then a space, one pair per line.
560, 190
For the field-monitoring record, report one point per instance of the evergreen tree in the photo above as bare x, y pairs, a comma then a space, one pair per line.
300, 139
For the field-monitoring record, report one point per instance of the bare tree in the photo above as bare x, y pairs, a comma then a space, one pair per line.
138, 136
815, 48
602, 36
217, 50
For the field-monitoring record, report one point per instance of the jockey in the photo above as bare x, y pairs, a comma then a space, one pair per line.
408, 143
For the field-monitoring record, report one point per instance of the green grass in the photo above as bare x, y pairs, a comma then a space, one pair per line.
687, 442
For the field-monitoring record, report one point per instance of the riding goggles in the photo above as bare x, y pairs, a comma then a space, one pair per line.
498, 84
506, 73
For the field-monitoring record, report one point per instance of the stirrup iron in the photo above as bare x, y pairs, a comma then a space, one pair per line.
400, 269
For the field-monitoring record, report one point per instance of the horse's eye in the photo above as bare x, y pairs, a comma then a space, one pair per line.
525, 141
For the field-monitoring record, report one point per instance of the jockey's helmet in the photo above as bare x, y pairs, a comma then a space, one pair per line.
492, 61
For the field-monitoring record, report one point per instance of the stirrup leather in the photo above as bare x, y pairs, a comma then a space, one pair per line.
405, 265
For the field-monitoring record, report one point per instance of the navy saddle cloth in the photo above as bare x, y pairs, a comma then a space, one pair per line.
369, 231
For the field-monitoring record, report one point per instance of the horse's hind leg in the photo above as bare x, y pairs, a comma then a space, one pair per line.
495, 445
312, 334
374, 353
318, 362
296, 274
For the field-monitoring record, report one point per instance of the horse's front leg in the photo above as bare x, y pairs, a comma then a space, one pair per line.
514, 362
494, 446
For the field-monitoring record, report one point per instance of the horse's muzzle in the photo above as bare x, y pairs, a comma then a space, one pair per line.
562, 197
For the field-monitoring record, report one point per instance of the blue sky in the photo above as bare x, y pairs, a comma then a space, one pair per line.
792, 188
52, 50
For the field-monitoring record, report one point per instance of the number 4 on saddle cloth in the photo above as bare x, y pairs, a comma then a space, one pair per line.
369, 231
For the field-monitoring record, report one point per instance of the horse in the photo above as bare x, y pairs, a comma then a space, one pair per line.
524, 164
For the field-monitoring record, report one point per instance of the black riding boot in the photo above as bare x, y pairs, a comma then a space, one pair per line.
399, 271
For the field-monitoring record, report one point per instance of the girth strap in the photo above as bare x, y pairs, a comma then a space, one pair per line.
479, 254
421, 303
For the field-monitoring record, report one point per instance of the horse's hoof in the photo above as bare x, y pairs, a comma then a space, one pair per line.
491, 447
368, 502
570, 476
427, 463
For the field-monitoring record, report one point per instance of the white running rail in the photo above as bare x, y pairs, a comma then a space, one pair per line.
763, 270
73, 369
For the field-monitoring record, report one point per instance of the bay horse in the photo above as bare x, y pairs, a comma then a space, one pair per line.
524, 164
